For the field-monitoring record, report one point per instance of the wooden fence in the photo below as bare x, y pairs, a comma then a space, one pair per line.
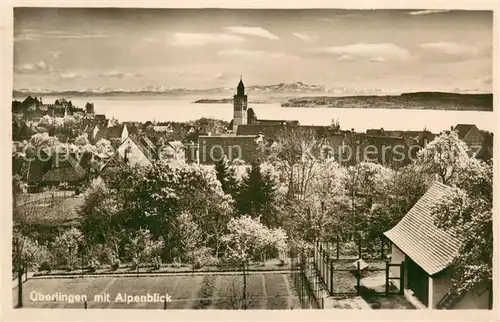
308, 292
324, 264
44, 197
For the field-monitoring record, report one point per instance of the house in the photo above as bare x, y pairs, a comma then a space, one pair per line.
35, 169
163, 128
89, 108
333, 147
411, 137
173, 150
91, 132
101, 120
269, 131
53, 167
213, 148
360, 147
66, 169
191, 150
252, 119
116, 132
273, 132
131, 152
470, 134
427, 253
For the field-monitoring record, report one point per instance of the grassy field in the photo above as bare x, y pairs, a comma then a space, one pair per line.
264, 291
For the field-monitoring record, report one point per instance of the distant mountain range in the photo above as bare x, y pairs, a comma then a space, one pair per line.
297, 87
298, 94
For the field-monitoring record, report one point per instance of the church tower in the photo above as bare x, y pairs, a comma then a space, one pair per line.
239, 106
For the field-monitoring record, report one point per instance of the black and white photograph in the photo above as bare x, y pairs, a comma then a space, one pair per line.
252, 159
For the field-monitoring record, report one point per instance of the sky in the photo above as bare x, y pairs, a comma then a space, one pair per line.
389, 50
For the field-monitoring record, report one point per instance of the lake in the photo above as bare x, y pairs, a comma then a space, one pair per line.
182, 109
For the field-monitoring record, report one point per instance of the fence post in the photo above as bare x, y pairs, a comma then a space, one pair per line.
85, 305
386, 278
165, 303
338, 244
323, 265
359, 247
316, 251
358, 276
327, 275
382, 248
402, 278
331, 277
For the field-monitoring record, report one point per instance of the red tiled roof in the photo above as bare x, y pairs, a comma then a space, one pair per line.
430, 247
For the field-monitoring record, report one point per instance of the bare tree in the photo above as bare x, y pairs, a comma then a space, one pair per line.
297, 152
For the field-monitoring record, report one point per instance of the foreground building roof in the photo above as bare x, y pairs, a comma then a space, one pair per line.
418, 237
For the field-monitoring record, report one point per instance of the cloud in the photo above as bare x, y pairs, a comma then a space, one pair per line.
118, 74
345, 58
24, 38
188, 73
256, 54
186, 39
34, 35
371, 51
451, 48
42, 68
304, 36
80, 36
221, 76
38, 68
252, 31
69, 75
426, 12
377, 59
55, 54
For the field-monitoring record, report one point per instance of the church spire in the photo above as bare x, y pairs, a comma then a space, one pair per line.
241, 87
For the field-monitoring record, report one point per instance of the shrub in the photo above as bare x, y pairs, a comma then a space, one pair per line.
115, 263
94, 264
45, 266
205, 292
203, 257
157, 262
135, 263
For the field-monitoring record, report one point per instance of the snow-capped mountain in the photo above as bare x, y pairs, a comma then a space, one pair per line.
297, 87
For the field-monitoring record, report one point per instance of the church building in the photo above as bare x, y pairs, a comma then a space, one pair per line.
244, 116
239, 106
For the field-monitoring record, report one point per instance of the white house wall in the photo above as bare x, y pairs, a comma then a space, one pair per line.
397, 256
440, 286
135, 156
